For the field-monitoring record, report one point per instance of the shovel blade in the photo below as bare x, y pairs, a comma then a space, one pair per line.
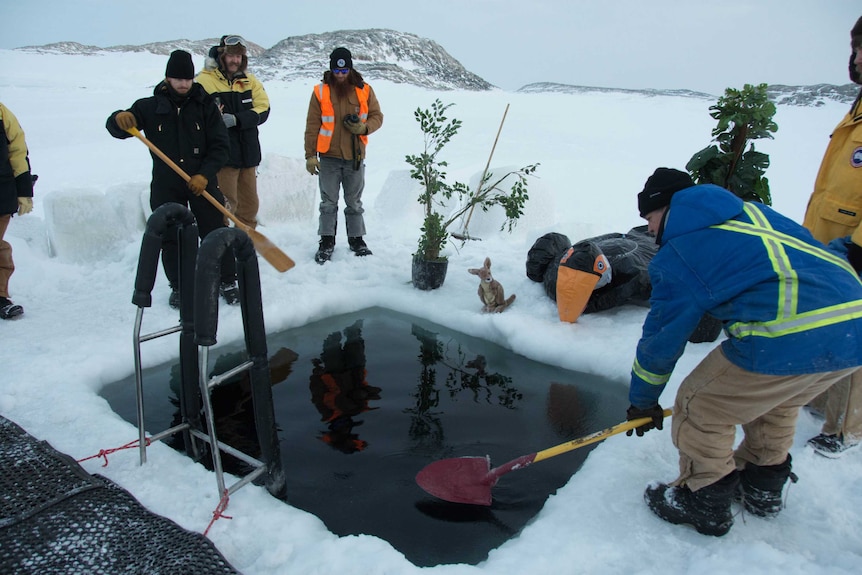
459, 480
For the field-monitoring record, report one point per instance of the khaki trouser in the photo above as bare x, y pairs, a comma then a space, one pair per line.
239, 186
717, 396
6, 265
841, 405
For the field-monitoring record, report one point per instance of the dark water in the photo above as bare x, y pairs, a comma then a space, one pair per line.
364, 401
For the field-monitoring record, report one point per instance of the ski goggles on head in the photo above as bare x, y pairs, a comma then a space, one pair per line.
234, 40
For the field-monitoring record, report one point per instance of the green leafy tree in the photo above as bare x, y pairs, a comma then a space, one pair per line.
428, 169
743, 115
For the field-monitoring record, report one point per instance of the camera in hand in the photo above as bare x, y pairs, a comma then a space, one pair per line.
352, 118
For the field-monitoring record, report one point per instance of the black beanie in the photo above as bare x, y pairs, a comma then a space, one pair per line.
659, 188
340, 58
180, 66
856, 31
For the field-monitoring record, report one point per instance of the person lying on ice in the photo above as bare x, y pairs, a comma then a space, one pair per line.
792, 313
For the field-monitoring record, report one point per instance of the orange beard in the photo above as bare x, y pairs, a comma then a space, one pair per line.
342, 89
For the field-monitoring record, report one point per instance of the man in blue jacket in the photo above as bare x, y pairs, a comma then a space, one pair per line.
792, 313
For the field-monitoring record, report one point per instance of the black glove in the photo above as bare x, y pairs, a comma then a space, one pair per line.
357, 128
854, 256
655, 412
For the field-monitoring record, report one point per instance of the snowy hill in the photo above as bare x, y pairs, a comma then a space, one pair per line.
404, 58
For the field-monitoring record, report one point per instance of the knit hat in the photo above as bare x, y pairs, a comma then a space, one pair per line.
660, 187
856, 33
340, 58
180, 66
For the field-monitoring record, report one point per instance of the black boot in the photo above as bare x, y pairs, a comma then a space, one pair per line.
707, 509
761, 487
230, 292
324, 252
174, 298
9, 310
358, 247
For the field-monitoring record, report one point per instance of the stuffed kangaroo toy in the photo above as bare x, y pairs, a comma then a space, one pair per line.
490, 290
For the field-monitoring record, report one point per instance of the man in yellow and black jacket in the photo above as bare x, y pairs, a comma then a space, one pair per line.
835, 211
244, 105
16, 196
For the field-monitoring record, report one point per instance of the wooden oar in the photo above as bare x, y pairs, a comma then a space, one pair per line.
270, 252
470, 479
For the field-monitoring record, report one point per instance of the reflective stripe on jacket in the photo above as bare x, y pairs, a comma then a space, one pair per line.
327, 114
788, 305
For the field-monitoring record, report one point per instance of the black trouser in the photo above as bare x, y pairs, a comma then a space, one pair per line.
208, 219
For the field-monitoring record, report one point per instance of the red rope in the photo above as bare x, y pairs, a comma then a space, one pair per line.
219, 511
106, 452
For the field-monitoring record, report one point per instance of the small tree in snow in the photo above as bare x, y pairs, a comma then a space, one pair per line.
743, 115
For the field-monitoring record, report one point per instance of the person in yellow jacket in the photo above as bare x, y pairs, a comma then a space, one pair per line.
342, 112
245, 106
835, 211
16, 196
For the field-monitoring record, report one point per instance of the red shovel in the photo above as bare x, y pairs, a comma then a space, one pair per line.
470, 479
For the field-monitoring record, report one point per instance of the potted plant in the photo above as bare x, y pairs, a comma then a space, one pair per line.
429, 263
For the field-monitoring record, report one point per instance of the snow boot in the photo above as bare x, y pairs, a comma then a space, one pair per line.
174, 298
761, 487
9, 310
831, 446
324, 251
358, 247
707, 509
230, 292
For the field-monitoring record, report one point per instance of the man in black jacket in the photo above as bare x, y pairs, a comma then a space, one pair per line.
183, 121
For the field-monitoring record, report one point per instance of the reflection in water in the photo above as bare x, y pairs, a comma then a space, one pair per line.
426, 429
339, 389
455, 395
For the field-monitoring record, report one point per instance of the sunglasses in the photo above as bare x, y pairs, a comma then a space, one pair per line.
234, 41
341, 70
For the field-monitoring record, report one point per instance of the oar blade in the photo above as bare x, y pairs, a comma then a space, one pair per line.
270, 252
459, 480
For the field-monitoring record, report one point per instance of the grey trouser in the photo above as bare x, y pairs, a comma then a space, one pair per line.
841, 404
717, 396
336, 173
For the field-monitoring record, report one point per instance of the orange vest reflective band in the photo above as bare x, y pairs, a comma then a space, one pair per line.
327, 114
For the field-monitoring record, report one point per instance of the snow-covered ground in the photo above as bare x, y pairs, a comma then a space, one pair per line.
76, 257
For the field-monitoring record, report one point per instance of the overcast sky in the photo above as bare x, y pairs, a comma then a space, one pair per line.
694, 44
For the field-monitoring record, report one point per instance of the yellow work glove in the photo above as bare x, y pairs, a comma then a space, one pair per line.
125, 120
25, 206
198, 184
312, 164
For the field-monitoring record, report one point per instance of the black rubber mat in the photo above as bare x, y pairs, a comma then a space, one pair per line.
57, 518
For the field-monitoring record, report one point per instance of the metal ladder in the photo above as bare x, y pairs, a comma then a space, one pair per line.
199, 273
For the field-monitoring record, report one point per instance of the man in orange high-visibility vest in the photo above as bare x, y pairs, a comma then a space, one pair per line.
342, 112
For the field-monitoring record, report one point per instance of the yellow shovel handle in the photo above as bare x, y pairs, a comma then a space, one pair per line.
594, 437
